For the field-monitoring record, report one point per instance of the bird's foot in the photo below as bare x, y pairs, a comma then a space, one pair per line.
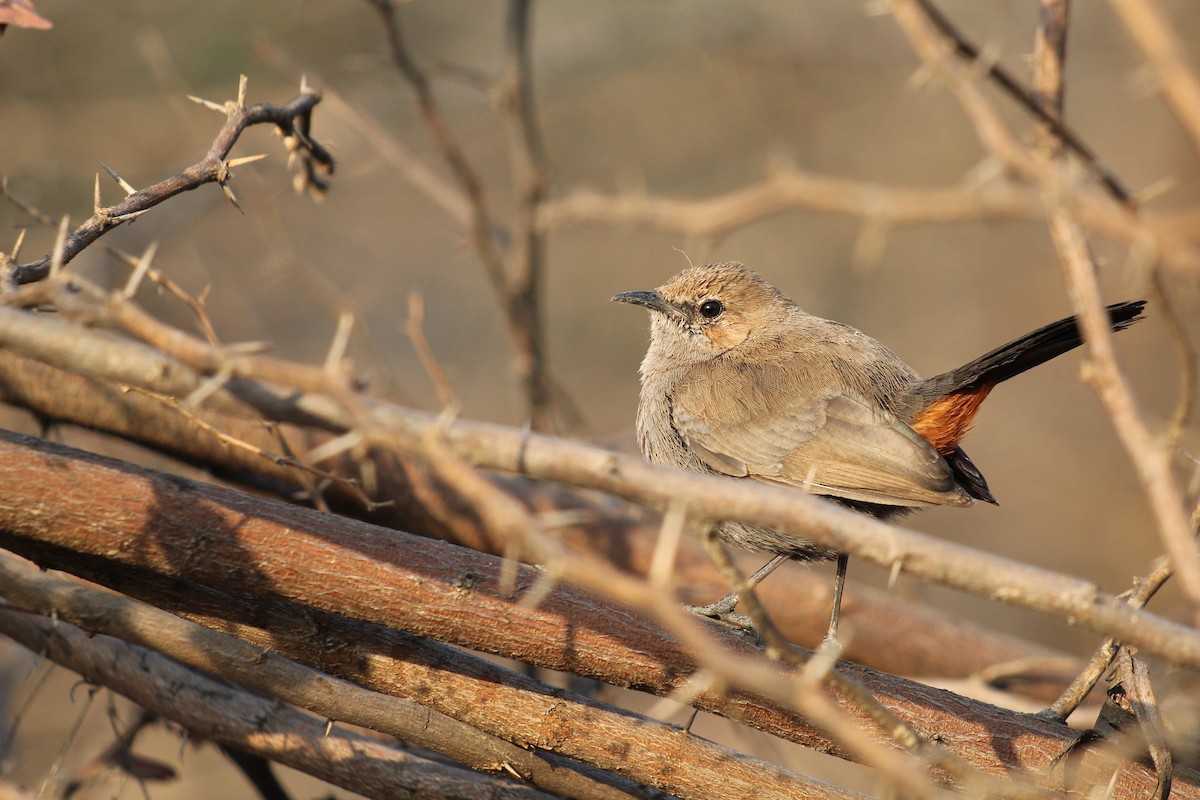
829, 647
722, 610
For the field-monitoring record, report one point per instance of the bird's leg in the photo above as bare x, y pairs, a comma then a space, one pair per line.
839, 583
723, 608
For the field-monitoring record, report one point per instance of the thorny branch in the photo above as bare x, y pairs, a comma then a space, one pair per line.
249, 722
1151, 458
405, 583
275, 389
402, 430
292, 120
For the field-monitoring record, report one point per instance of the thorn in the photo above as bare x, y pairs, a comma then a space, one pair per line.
60, 247
248, 348
207, 389
341, 340
447, 416
1156, 189
241, 101
670, 533
96, 196
233, 199
304, 87
207, 103
129, 216
124, 184
139, 272
328, 728
333, 447
921, 77
237, 162
16, 251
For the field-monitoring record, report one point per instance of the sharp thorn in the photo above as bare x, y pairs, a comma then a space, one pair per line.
232, 198
60, 246
139, 272
237, 162
16, 251
207, 103
124, 184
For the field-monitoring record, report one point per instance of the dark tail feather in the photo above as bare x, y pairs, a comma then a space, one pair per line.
1025, 353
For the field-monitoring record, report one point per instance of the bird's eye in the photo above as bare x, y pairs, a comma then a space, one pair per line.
711, 309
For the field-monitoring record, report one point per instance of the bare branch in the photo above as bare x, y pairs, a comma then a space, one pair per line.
1032, 101
481, 228
407, 583
395, 428
99, 612
288, 118
890, 634
1150, 457
522, 288
249, 722
1148, 26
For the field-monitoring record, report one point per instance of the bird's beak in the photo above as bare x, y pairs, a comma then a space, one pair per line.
651, 300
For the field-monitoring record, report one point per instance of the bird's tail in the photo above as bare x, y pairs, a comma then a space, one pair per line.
945, 405
1025, 353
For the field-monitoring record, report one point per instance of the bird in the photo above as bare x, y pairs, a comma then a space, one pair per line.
739, 381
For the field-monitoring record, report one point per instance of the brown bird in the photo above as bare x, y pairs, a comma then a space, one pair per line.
739, 381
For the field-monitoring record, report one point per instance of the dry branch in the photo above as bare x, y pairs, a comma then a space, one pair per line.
1150, 457
889, 633
212, 709
270, 555
291, 120
513, 262
1148, 26
405, 431
254, 666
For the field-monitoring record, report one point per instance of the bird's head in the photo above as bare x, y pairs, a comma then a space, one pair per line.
705, 311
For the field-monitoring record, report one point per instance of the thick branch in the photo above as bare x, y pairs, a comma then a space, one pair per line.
217, 539
212, 709
259, 669
890, 634
494, 447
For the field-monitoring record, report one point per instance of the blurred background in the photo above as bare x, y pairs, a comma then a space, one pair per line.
672, 98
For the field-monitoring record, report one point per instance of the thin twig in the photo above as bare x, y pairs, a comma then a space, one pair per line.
1144, 589
1031, 101
1150, 458
482, 231
416, 334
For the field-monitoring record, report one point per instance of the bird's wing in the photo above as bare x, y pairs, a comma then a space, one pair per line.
833, 444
